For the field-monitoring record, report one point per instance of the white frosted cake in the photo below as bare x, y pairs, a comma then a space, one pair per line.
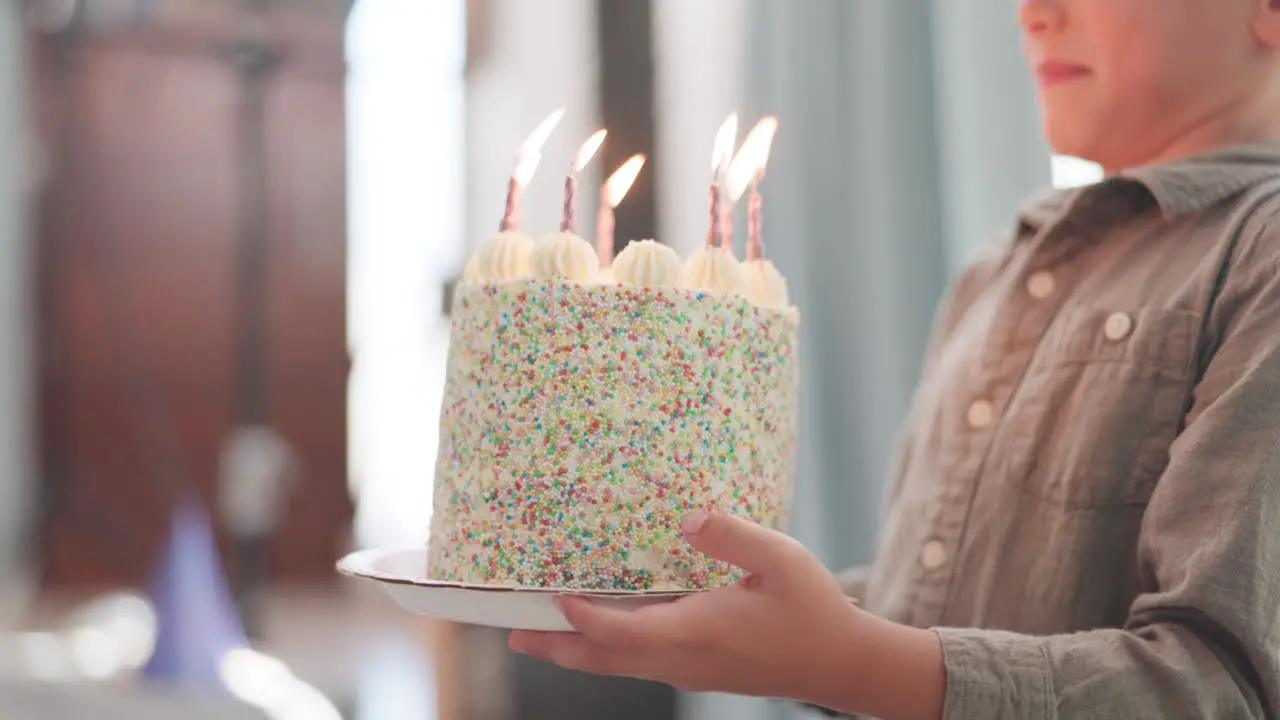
587, 410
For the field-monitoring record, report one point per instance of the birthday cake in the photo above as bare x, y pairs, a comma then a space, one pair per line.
591, 402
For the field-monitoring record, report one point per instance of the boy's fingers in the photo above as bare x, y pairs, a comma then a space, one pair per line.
742, 543
645, 627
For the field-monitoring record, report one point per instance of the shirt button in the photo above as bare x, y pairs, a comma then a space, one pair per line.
1040, 285
980, 414
1118, 326
933, 555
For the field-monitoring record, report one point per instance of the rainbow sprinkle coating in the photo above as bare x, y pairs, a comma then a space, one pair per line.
580, 423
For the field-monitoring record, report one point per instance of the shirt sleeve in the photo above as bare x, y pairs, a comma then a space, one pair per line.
1204, 641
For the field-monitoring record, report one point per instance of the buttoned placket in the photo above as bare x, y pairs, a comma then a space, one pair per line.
1030, 298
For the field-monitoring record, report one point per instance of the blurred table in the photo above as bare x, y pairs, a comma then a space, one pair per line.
73, 701
348, 640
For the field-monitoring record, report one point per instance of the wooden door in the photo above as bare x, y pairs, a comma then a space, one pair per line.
169, 219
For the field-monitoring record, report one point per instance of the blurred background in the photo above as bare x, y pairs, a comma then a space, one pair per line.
227, 230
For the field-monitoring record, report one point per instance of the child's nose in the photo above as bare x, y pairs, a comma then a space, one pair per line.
1041, 16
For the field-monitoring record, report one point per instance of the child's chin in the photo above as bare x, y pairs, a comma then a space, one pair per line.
1068, 134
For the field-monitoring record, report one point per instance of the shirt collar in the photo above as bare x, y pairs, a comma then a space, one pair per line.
1179, 187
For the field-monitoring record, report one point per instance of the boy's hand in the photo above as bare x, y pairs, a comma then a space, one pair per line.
786, 630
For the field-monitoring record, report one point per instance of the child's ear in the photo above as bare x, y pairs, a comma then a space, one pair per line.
1266, 22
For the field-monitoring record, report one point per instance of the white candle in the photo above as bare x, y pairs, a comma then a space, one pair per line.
568, 224
747, 169
611, 194
721, 155
527, 159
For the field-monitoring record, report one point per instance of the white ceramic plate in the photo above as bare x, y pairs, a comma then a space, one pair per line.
402, 573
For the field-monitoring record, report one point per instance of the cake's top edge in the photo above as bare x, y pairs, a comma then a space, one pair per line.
510, 256
604, 290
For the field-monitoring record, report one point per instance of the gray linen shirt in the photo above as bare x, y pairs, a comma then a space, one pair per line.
1086, 504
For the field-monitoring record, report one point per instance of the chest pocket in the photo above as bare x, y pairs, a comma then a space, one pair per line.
1103, 402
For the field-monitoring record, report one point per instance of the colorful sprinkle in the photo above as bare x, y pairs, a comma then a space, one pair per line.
568, 464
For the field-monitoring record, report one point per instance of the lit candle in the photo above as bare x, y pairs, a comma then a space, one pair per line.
611, 194
588, 150
527, 159
755, 243
721, 154
747, 169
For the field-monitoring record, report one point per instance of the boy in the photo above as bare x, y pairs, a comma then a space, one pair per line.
1085, 518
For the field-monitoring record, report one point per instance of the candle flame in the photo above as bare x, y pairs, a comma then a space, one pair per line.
526, 166
533, 144
588, 150
620, 182
722, 149
531, 149
752, 158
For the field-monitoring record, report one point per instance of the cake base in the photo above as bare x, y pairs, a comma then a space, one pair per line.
580, 424
402, 573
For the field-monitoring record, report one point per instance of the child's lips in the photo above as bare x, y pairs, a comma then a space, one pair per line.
1056, 72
